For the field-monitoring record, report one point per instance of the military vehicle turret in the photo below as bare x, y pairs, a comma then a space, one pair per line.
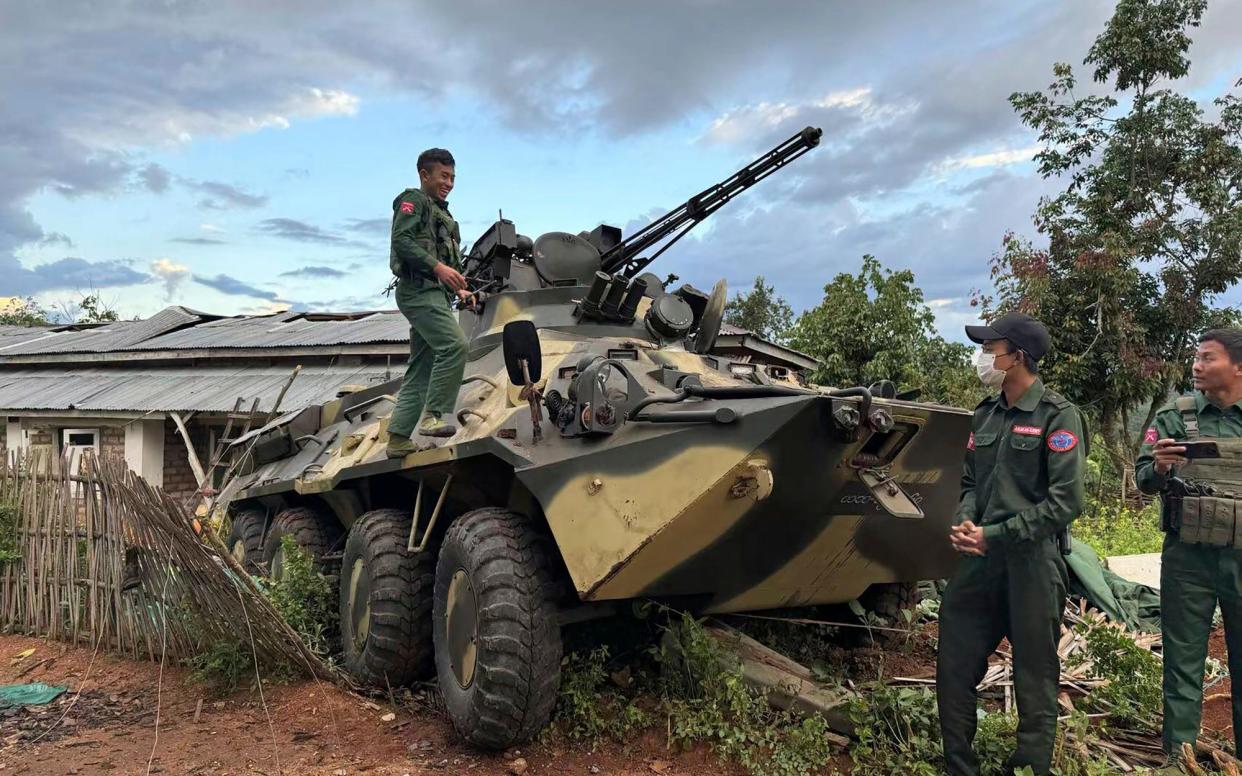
605, 454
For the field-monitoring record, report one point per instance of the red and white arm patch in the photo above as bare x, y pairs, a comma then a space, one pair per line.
970, 443
1062, 441
1150, 437
407, 208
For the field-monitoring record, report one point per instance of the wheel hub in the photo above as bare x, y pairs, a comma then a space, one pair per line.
359, 604
278, 564
462, 628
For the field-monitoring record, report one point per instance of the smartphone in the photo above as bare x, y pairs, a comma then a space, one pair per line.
1200, 449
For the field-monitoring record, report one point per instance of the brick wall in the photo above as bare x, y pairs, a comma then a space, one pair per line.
178, 476
112, 440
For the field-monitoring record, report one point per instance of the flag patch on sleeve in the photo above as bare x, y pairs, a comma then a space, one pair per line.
1062, 441
407, 208
1151, 437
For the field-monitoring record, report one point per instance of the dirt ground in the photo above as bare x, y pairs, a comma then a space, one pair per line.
1218, 700
106, 724
301, 728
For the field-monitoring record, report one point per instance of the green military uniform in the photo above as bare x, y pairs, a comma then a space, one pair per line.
1201, 564
1022, 483
424, 234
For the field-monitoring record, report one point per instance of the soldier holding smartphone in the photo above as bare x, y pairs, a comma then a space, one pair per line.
1192, 456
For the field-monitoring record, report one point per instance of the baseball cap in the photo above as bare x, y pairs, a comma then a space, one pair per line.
1022, 330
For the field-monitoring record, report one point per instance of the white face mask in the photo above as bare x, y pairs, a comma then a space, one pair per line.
985, 367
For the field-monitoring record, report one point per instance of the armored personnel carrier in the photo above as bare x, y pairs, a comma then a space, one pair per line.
605, 453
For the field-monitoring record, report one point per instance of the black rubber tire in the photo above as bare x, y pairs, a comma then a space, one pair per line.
246, 528
315, 531
890, 599
397, 649
517, 671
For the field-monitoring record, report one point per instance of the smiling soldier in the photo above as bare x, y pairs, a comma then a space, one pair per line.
1201, 564
426, 259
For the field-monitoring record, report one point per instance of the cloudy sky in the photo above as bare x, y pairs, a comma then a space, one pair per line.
241, 157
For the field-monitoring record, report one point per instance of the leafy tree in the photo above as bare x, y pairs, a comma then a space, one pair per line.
760, 310
91, 309
23, 312
1148, 229
875, 326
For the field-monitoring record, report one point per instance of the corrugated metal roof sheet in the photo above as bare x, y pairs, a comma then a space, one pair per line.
12, 335
203, 389
119, 335
284, 331
177, 328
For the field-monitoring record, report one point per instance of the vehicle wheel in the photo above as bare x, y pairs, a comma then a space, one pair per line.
245, 539
311, 529
889, 600
497, 639
385, 602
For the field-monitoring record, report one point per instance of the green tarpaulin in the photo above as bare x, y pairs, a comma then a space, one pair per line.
36, 694
1135, 605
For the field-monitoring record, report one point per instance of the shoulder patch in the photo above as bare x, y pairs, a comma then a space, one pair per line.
407, 208
1151, 436
1062, 441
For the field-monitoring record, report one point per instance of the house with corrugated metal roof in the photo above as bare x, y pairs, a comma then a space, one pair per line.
151, 390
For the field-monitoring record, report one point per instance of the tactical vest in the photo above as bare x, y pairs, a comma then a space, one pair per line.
1215, 518
441, 238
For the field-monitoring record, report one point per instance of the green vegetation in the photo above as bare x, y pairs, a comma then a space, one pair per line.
1147, 231
9, 515
223, 666
1112, 528
876, 326
691, 690
304, 597
1132, 695
760, 310
591, 708
24, 312
705, 699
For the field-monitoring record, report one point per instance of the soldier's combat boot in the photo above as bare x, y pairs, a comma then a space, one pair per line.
400, 447
433, 426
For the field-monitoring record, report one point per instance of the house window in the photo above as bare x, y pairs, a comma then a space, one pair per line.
76, 441
81, 437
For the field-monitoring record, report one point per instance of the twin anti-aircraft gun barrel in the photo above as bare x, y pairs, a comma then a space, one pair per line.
503, 259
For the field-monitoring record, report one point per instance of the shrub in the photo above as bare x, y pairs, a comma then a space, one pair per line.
8, 532
705, 698
222, 665
304, 597
1112, 528
586, 709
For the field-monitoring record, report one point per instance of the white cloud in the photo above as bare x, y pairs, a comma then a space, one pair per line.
171, 274
1002, 158
210, 228
745, 123
266, 308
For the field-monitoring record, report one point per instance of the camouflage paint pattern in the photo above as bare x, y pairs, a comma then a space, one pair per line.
765, 512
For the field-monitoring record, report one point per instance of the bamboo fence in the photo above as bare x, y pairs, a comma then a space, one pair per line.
109, 561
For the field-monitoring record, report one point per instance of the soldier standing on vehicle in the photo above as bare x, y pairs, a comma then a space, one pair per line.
426, 259
1201, 564
1021, 487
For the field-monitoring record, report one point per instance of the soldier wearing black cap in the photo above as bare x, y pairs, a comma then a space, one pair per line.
1021, 487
